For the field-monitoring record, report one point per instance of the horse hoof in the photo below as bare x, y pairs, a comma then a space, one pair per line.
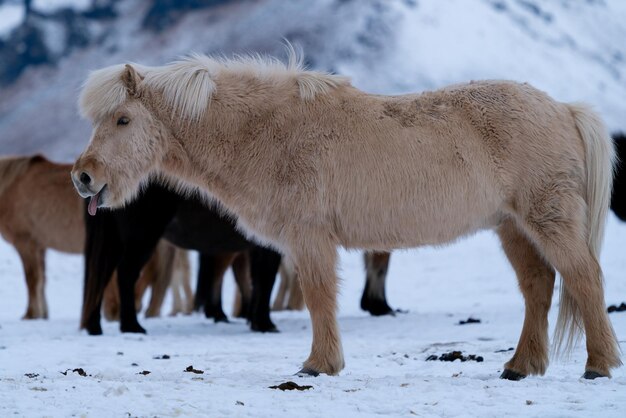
94, 330
377, 309
136, 329
509, 374
271, 328
307, 372
590, 375
221, 319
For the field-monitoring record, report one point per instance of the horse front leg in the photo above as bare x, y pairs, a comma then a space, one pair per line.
128, 273
264, 264
241, 271
211, 272
317, 275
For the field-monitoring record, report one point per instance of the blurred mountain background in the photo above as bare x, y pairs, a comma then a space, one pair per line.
573, 49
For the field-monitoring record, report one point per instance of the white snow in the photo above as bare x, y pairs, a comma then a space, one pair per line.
386, 372
11, 15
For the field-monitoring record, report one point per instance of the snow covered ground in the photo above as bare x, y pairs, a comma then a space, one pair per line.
386, 372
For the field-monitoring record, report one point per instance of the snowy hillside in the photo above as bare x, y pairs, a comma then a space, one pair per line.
575, 50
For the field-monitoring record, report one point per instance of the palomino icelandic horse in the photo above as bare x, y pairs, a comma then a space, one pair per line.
123, 239
50, 218
307, 162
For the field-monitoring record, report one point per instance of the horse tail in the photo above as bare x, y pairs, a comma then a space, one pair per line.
11, 168
600, 163
103, 245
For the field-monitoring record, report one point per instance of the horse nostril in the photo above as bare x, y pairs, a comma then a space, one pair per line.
85, 179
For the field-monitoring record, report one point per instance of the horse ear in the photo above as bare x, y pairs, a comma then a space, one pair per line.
131, 79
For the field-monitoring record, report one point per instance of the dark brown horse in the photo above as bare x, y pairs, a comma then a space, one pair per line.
125, 238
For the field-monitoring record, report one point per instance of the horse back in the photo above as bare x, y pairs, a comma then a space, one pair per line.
12, 168
38, 201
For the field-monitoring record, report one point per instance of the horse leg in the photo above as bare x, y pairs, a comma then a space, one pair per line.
161, 267
184, 273
561, 233
288, 276
374, 299
316, 272
241, 271
147, 278
202, 285
175, 283
296, 299
212, 269
264, 265
536, 281
128, 272
180, 280
33, 257
283, 288
111, 300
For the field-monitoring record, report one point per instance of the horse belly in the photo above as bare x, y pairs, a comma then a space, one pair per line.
416, 213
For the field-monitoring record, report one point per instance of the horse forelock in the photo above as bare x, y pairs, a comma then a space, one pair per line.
102, 92
187, 85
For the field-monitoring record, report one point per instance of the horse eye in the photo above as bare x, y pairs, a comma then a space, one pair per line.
123, 121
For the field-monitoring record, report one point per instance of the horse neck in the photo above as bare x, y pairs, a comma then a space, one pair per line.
210, 153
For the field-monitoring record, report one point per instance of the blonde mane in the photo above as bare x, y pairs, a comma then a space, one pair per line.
188, 84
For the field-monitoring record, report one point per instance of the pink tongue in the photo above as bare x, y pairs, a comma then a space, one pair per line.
92, 208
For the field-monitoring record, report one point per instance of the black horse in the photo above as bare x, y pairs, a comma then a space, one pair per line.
124, 239
374, 299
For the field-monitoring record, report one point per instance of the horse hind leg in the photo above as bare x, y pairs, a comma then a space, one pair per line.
295, 301
536, 281
212, 270
161, 269
184, 273
33, 261
180, 280
560, 232
283, 288
264, 264
374, 299
289, 296
243, 295
111, 300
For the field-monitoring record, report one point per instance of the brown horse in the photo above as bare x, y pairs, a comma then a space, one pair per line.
50, 218
308, 163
